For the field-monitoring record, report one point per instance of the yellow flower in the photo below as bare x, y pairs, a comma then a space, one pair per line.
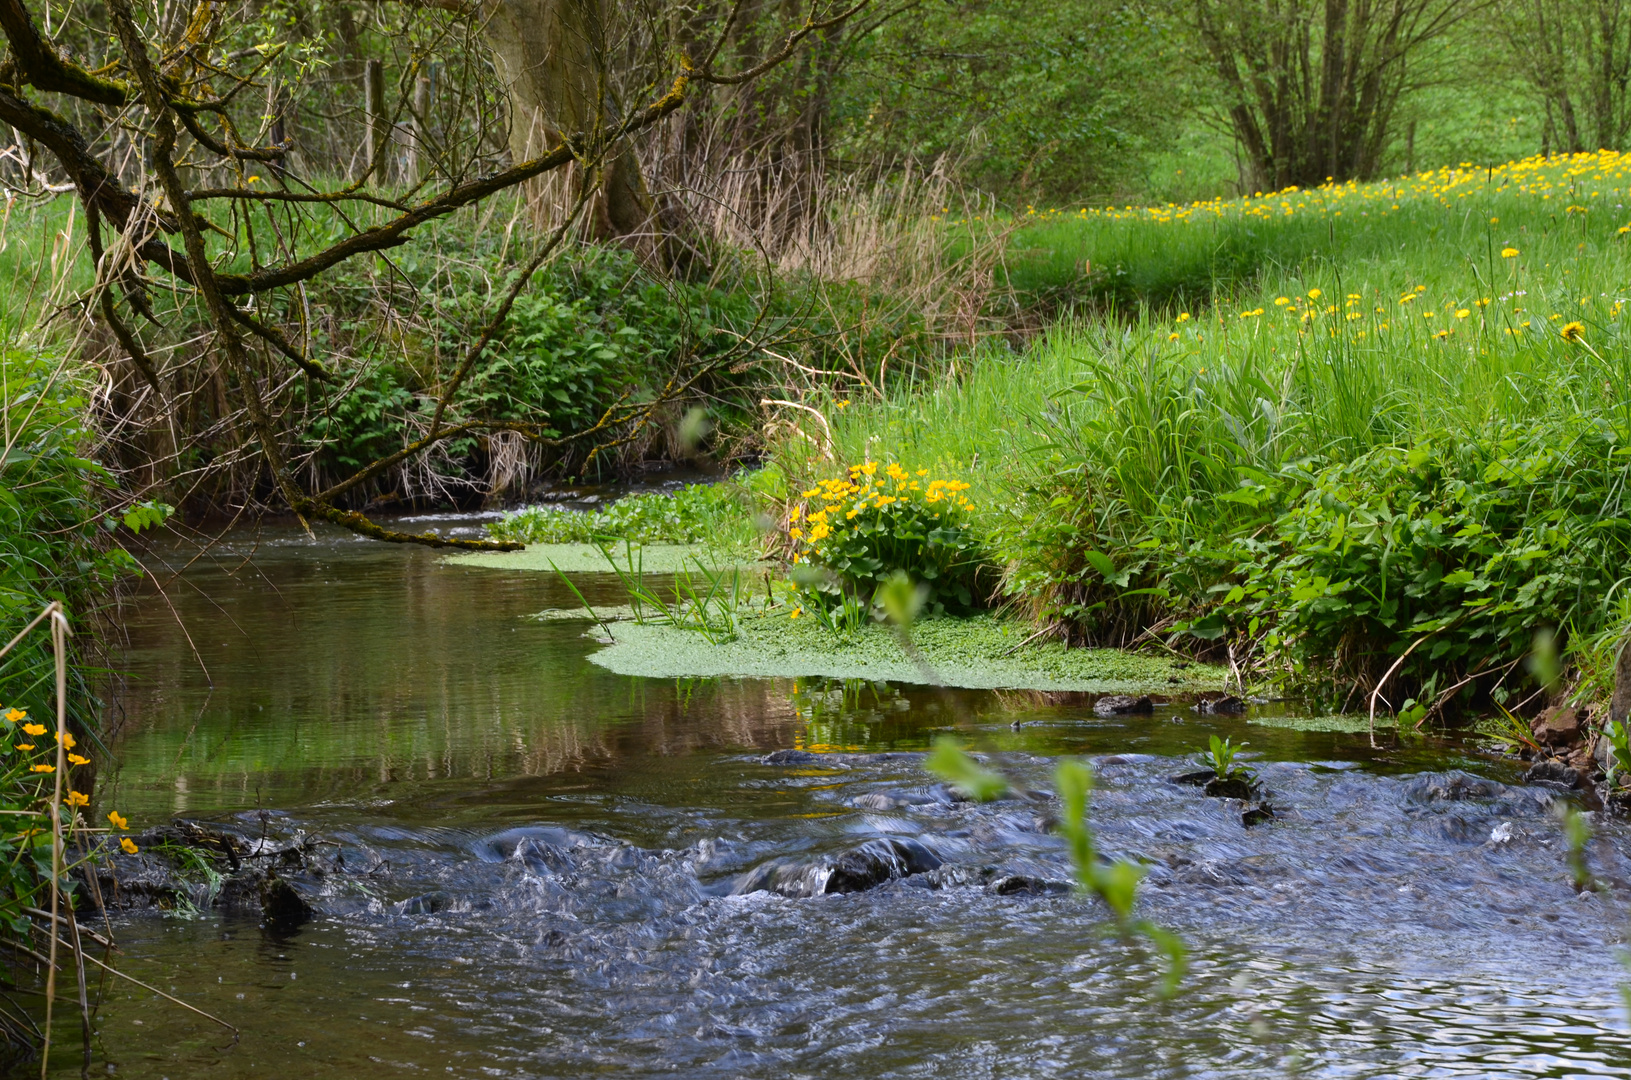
796, 612
118, 819
66, 740
1509, 253
1314, 294
1462, 313
1172, 337
1572, 331
77, 760
1442, 334
25, 746
42, 768
76, 798
35, 730
844, 404
1183, 316
1281, 301
14, 715
129, 846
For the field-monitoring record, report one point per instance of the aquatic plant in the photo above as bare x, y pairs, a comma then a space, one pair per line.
1220, 758
706, 601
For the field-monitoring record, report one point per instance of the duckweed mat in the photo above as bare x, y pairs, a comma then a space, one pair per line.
977, 653
586, 558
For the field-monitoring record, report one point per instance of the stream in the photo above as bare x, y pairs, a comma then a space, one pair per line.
538, 868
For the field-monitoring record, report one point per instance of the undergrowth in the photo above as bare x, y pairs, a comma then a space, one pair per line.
1392, 440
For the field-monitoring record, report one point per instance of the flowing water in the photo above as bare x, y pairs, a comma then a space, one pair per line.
536, 868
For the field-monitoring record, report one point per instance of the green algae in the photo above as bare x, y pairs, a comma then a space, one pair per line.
587, 559
1345, 723
982, 652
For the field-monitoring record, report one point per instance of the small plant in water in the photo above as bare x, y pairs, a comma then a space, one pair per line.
1220, 758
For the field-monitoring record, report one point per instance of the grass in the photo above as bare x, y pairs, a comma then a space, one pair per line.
1336, 371
713, 514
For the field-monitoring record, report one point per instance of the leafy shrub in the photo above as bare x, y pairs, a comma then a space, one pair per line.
696, 513
869, 528
54, 546
1459, 546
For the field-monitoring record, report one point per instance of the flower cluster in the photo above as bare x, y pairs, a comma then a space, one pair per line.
877, 520
30, 759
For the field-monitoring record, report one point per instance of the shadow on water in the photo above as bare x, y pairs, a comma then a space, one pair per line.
544, 869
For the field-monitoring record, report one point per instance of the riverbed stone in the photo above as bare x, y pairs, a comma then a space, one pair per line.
790, 757
1230, 787
1559, 726
1256, 815
282, 908
1554, 774
1123, 705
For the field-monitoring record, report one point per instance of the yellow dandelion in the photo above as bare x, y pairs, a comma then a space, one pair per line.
1572, 331
1509, 253
1462, 313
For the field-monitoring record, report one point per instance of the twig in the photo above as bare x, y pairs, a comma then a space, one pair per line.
1388, 675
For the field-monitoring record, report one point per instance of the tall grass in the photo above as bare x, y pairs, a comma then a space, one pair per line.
1249, 362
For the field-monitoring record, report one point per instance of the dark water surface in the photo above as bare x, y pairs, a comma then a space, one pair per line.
534, 862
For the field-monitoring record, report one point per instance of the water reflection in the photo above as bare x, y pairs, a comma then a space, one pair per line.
411, 713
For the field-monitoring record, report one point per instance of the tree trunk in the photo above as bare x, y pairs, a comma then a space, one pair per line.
553, 58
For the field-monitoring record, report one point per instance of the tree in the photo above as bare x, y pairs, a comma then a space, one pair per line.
1311, 87
1576, 56
193, 102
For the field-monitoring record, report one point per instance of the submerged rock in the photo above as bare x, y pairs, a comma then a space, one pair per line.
873, 863
1198, 778
1122, 705
1257, 815
1452, 787
1227, 705
1230, 787
283, 909
1553, 774
790, 757
428, 904
1026, 885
